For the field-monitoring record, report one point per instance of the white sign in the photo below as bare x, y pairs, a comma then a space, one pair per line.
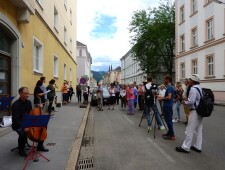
2, 76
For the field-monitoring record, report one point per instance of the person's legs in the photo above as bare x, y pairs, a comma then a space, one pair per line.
147, 114
198, 143
22, 140
50, 104
132, 106
40, 147
168, 114
190, 130
157, 116
178, 110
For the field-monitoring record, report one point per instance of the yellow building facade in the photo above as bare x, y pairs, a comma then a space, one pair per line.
36, 39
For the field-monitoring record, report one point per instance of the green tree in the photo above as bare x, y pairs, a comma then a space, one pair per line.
153, 38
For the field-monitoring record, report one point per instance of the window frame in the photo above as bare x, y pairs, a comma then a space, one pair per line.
70, 74
182, 43
65, 4
207, 29
65, 36
56, 19
56, 75
40, 3
71, 17
182, 14
194, 67
208, 75
65, 71
182, 71
196, 37
37, 42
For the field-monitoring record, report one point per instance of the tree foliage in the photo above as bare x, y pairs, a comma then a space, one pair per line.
153, 38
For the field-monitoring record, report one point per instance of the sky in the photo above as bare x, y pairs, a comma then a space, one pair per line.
103, 26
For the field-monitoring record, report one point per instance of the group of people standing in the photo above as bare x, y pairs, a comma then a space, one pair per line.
67, 91
170, 99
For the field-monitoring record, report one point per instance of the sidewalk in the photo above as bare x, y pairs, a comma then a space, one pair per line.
62, 130
220, 103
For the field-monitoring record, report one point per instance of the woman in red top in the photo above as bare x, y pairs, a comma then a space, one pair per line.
130, 98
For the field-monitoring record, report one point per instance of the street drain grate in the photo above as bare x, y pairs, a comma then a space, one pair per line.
85, 164
50, 144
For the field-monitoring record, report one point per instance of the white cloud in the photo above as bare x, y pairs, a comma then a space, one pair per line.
118, 43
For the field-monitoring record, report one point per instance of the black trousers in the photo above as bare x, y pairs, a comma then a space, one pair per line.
140, 102
50, 104
22, 140
79, 97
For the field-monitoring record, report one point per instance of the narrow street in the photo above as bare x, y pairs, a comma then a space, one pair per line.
119, 144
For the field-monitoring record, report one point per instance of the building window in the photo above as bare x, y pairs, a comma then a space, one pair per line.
65, 35
70, 74
37, 56
71, 16
71, 46
207, 1
65, 72
194, 37
194, 67
182, 43
210, 66
56, 66
65, 4
194, 6
182, 16
209, 27
80, 53
56, 16
182, 66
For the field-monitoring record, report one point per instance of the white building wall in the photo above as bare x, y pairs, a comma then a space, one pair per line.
130, 70
216, 47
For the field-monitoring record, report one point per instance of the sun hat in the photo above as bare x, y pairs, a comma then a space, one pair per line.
195, 78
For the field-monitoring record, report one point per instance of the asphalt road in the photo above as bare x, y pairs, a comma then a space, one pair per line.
119, 144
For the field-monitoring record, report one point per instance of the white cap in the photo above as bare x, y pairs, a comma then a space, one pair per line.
195, 78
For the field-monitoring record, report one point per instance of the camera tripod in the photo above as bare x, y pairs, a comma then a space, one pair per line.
153, 117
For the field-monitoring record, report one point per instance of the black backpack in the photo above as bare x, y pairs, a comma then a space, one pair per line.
149, 96
206, 104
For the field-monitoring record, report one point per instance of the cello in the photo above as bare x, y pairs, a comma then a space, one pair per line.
37, 134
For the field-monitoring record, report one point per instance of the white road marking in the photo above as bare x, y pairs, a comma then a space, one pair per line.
130, 121
169, 158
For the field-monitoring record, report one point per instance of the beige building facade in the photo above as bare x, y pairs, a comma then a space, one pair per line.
200, 43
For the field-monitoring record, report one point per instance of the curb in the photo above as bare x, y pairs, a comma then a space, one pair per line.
74, 154
5, 131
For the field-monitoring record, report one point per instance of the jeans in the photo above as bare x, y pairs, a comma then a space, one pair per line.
123, 102
79, 96
177, 109
117, 97
50, 104
65, 97
168, 115
156, 112
131, 105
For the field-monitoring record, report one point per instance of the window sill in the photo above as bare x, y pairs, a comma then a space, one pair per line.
37, 72
207, 4
182, 22
209, 40
195, 46
56, 29
193, 14
210, 77
181, 52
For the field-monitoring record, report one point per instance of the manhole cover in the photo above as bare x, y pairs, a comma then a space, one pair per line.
50, 144
86, 164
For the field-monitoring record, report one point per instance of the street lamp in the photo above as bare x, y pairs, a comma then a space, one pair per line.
217, 1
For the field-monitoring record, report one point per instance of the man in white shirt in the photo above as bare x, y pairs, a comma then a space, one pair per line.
194, 125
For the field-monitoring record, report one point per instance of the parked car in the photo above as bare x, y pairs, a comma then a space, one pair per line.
106, 96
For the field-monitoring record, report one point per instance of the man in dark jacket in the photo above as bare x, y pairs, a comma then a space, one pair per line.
19, 108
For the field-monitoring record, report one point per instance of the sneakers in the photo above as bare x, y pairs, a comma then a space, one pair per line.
162, 128
169, 137
174, 120
180, 149
149, 128
195, 149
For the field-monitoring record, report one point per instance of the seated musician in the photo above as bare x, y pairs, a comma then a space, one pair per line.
19, 108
